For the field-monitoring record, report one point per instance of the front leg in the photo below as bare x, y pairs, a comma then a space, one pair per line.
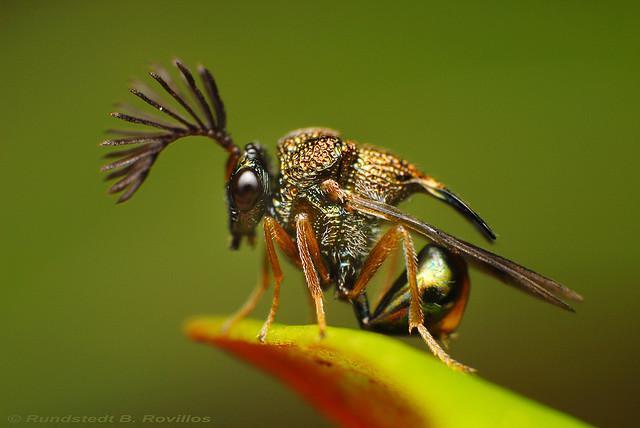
273, 232
254, 297
308, 250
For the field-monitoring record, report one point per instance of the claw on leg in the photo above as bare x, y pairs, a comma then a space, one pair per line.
435, 348
272, 313
270, 233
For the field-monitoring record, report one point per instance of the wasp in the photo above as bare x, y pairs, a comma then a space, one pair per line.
330, 207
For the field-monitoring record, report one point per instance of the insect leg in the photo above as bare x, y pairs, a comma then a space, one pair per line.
254, 297
416, 317
306, 242
385, 245
383, 248
391, 271
440, 353
273, 231
314, 251
286, 244
506, 270
321, 269
389, 277
361, 303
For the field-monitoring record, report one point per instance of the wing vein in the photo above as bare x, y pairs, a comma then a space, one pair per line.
521, 277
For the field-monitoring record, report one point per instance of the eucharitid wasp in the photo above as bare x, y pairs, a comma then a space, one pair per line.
324, 208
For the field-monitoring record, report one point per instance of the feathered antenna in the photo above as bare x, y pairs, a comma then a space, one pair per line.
132, 166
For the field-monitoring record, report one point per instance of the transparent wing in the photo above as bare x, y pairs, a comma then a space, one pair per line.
512, 273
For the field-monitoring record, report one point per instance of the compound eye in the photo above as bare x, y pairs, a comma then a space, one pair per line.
245, 189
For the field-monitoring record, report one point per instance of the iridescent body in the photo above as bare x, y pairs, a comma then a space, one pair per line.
310, 156
330, 208
443, 282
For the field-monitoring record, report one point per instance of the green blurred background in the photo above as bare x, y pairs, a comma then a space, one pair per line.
528, 110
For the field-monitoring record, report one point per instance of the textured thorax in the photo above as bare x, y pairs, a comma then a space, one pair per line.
311, 155
381, 176
308, 157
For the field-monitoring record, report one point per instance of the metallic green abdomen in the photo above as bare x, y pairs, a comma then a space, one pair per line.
442, 278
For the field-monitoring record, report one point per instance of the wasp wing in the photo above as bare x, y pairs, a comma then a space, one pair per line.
438, 190
514, 274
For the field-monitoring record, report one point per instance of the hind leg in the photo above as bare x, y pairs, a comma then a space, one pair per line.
412, 315
440, 353
305, 254
394, 312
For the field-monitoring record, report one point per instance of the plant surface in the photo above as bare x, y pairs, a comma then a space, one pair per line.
361, 379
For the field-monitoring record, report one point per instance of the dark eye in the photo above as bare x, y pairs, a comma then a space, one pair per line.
245, 189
